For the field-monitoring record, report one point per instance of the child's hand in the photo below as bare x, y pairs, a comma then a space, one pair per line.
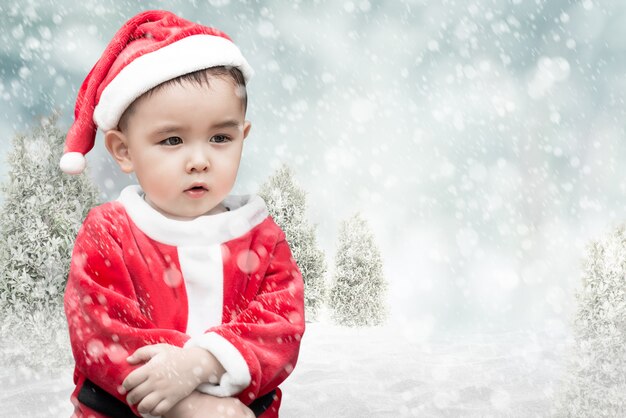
170, 374
201, 405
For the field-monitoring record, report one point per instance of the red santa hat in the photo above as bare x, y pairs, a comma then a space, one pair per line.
151, 48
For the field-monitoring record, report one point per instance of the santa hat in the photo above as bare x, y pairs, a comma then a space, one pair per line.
149, 49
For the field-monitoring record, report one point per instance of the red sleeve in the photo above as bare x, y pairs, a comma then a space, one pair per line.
104, 317
259, 347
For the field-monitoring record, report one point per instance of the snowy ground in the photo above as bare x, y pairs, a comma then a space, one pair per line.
374, 372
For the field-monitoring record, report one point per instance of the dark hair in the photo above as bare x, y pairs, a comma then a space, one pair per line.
201, 78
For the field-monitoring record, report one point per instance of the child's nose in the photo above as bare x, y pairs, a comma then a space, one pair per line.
197, 161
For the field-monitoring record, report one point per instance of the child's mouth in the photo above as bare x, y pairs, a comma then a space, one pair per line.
196, 191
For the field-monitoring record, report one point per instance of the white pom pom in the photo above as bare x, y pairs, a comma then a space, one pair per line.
73, 163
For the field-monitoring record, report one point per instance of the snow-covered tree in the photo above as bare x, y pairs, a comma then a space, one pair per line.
41, 213
595, 385
287, 205
357, 297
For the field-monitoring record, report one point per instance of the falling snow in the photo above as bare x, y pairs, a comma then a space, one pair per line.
483, 141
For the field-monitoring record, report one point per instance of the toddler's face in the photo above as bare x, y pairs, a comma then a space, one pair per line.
184, 144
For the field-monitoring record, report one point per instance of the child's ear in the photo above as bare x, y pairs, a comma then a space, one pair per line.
246, 128
117, 145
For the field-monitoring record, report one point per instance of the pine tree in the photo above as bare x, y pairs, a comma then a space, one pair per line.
357, 297
41, 213
595, 384
287, 205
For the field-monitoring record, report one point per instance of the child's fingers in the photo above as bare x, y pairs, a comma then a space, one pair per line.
144, 353
148, 403
139, 393
162, 408
134, 378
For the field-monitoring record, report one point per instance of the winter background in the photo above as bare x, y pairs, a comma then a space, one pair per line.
481, 140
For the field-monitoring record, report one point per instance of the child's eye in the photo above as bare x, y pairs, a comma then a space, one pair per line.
220, 139
172, 140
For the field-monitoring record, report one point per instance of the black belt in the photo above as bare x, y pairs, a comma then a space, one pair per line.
102, 401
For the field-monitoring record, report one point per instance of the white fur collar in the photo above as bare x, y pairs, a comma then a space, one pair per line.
246, 212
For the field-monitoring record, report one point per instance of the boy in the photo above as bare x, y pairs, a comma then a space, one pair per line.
182, 300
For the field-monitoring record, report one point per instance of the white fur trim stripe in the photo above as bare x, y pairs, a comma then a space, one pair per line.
202, 268
147, 71
237, 376
246, 212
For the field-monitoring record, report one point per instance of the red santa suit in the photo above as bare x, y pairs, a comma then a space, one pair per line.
224, 282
